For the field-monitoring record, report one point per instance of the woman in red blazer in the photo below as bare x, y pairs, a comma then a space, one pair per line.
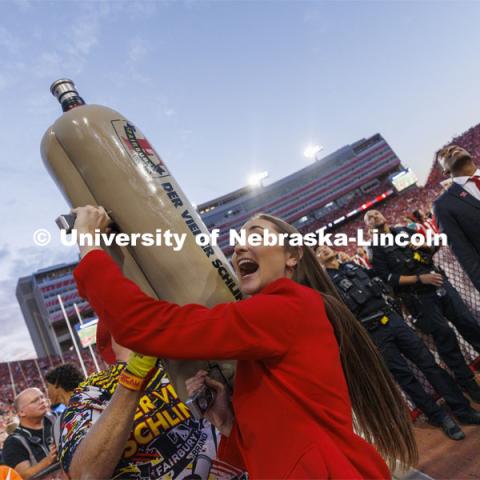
295, 389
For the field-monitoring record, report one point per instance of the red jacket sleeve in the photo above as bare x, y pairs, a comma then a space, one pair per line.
262, 326
229, 450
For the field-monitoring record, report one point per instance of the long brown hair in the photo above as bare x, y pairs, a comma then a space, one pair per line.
380, 414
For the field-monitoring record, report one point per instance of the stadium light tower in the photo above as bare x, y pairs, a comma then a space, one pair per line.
255, 180
311, 151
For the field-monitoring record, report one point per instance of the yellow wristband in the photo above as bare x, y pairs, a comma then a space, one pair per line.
140, 365
130, 381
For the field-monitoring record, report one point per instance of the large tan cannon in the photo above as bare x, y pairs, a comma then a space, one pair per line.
98, 157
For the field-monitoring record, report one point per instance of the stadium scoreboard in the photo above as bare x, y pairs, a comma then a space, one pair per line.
403, 180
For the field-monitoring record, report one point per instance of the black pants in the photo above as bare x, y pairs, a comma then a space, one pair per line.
432, 312
397, 339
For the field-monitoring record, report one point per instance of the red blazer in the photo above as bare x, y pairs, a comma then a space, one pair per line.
291, 402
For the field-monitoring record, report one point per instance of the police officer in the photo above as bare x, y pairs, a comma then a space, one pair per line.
367, 297
428, 295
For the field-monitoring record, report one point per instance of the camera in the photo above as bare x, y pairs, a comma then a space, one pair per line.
200, 402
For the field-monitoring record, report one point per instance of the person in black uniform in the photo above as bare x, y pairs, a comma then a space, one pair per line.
367, 296
429, 296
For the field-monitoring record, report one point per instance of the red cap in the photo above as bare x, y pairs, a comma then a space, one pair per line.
104, 343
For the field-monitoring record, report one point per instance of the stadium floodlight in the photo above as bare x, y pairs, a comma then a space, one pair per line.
255, 180
311, 151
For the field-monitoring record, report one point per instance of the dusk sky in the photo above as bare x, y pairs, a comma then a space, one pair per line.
223, 89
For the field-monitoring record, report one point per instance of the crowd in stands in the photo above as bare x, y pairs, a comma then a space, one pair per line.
353, 204
396, 208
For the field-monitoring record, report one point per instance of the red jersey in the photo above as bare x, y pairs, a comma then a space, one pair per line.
293, 416
431, 224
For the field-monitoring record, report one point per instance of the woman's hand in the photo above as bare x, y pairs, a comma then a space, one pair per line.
220, 412
88, 220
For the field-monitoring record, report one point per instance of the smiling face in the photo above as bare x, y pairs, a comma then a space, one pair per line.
258, 266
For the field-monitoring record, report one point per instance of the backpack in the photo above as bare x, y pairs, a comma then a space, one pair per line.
52, 419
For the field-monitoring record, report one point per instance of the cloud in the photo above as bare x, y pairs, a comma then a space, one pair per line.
16, 346
10, 48
70, 48
42, 106
137, 50
145, 9
46, 64
4, 81
4, 252
315, 15
23, 5
16, 343
163, 105
84, 36
30, 259
9, 42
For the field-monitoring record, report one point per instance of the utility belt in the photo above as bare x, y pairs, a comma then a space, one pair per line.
375, 320
420, 264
